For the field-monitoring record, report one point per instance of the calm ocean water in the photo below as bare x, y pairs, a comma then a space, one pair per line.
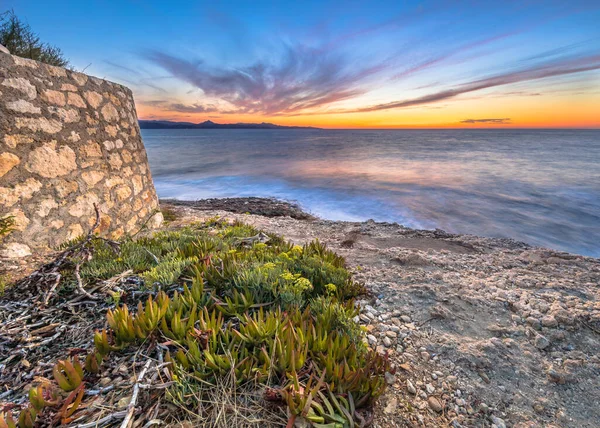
538, 186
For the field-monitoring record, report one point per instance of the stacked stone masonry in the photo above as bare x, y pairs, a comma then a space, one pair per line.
69, 141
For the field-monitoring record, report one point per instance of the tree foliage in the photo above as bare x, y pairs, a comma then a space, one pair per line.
18, 37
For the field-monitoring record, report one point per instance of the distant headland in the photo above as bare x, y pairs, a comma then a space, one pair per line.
165, 124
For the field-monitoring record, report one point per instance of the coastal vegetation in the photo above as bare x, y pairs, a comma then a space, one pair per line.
214, 304
18, 37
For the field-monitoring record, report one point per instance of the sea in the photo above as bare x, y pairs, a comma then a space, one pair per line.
537, 186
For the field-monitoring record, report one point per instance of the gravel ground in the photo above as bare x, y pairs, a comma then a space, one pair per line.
484, 332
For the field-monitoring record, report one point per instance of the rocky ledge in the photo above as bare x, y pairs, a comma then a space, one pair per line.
483, 332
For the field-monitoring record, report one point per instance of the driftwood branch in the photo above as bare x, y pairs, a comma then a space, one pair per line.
51, 271
134, 396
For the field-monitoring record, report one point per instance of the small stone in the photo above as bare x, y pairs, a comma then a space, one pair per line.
37, 124
110, 113
105, 381
558, 377
91, 150
549, 321
123, 402
50, 162
498, 421
387, 342
390, 379
123, 192
22, 85
435, 404
54, 97
75, 100
67, 115
92, 177
391, 334
425, 355
84, 205
22, 106
533, 322
7, 162
405, 318
93, 98
390, 408
541, 342
13, 141
79, 78
115, 161
429, 388
45, 206
372, 340
410, 387
15, 250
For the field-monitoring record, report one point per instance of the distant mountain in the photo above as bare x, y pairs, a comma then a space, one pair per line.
165, 124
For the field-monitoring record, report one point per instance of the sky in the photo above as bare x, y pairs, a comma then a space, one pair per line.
339, 64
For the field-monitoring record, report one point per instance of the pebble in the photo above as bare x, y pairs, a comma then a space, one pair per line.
405, 318
499, 422
435, 404
549, 321
391, 334
387, 342
391, 406
123, 402
372, 340
410, 387
390, 379
534, 322
541, 342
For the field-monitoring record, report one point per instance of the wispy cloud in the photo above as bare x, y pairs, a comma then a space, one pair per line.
559, 67
444, 56
302, 78
502, 121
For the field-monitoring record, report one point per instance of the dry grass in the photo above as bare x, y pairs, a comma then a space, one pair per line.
225, 404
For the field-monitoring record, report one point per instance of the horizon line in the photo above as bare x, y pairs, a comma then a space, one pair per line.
393, 127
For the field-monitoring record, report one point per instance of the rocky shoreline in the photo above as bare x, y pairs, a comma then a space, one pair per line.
483, 331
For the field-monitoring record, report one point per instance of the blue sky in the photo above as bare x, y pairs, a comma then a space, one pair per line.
371, 64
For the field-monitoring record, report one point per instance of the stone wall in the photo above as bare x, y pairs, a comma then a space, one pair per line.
69, 141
